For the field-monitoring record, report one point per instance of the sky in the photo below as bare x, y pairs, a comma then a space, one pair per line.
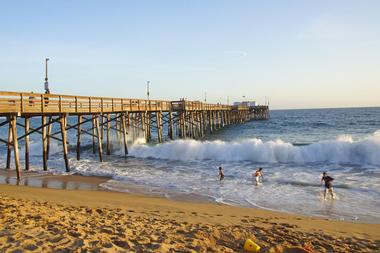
296, 54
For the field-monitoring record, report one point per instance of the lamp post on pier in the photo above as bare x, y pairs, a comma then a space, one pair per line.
147, 88
47, 91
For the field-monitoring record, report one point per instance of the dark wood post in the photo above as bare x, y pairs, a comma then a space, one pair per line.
64, 141
44, 144
9, 144
26, 143
100, 151
48, 137
15, 146
108, 134
124, 126
78, 135
93, 124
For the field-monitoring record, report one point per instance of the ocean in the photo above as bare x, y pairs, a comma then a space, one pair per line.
293, 147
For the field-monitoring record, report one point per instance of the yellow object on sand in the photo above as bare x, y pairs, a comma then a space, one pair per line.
251, 246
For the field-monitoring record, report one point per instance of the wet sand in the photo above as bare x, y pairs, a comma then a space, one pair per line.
86, 218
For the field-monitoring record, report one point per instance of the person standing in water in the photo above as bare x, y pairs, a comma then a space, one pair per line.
221, 174
258, 176
328, 185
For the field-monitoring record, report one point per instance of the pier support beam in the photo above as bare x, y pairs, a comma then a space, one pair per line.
48, 137
15, 146
93, 125
44, 144
159, 126
124, 126
78, 136
170, 126
210, 121
62, 122
9, 145
95, 119
27, 143
108, 134
143, 125
101, 126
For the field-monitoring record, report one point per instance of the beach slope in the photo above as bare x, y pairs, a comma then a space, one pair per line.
46, 220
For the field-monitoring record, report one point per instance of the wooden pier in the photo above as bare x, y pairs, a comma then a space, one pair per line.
181, 119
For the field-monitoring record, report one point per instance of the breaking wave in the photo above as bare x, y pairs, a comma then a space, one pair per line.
343, 149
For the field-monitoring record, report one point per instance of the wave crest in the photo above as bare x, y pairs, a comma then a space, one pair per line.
342, 150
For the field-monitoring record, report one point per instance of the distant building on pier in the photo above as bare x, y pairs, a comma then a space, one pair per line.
245, 103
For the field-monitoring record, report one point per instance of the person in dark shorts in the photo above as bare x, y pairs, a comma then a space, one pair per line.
328, 185
221, 174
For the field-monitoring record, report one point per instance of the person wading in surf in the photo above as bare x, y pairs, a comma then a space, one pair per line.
221, 174
258, 176
328, 185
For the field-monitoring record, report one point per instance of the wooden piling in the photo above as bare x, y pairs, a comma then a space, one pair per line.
124, 128
9, 144
170, 126
93, 125
100, 151
143, 124
15, 146
183, 126
48, 137
62, 121
101, 126
133, 123
148, 125
108, 134
26, 143
192, 126
117, 125
159, 126
44, 144
78, 135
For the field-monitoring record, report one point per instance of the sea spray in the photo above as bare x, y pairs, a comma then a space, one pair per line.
341, 150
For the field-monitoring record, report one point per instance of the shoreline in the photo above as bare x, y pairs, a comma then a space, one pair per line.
75, 181
93, 219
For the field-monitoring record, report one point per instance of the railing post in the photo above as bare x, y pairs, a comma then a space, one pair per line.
60, 104
22, 102
89, 106
42, 103
76, 104
102, 105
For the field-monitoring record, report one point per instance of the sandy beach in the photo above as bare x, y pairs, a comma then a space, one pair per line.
36, 219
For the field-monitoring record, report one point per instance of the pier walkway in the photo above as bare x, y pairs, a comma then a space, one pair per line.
125, 116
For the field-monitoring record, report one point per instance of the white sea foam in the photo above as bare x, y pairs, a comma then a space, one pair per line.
341, 150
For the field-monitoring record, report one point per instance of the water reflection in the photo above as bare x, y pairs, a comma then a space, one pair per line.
52, 182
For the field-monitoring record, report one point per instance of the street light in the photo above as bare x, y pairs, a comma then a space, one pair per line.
147, 88
47, 91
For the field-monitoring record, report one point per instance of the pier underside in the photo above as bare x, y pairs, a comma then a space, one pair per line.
97, 117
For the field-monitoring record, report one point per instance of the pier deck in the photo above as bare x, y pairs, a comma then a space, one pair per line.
124, 116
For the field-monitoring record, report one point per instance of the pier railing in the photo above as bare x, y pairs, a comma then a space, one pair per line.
39, 103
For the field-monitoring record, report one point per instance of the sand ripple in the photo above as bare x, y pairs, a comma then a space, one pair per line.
34, 226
